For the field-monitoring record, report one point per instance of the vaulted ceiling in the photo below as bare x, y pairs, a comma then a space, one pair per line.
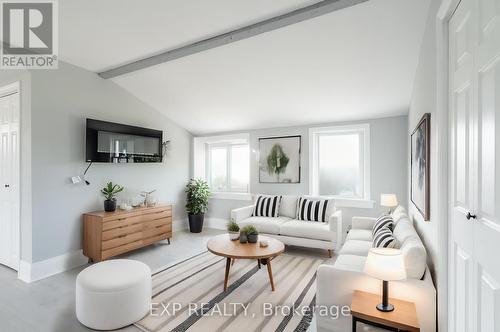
351, 64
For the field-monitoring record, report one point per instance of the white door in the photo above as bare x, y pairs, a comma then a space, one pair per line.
474, 264
487, 204
9, 176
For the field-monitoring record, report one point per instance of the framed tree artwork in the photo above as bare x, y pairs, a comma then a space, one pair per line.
420, 166
279, 159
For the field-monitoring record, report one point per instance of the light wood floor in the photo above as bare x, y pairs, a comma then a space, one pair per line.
48, 305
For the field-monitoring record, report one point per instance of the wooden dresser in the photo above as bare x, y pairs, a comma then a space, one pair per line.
108, 234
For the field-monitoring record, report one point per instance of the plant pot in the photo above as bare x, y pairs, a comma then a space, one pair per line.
196, 222
233, 236
252, 238
110, 205
243, 238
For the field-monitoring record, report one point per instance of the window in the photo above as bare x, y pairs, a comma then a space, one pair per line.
228, 167
224, 162
340, 161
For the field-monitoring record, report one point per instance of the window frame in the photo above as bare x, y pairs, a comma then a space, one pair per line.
314, 135
228, 146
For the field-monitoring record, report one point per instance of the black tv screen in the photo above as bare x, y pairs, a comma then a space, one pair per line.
109, 142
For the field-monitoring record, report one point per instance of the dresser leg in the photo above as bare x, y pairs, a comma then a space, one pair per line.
90, 260
353, 324
168, 240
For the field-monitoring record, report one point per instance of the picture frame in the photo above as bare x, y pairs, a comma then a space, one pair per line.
280, 159
420, 166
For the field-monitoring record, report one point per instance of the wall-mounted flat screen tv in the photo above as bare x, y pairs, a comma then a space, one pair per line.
108, 142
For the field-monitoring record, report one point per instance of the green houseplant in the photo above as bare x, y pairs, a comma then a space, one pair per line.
234, 230
251, 232
109, 192
197, 194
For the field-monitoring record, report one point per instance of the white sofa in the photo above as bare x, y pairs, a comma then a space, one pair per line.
335, 284
312, 234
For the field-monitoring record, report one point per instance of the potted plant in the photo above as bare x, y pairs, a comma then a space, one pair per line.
234, 230
251, 233
109, 192
197, 194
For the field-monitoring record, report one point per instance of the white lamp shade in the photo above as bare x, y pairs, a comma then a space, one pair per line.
385, 264
389, 200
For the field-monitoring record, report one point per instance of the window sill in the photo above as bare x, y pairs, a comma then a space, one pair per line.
354, 203
229, 195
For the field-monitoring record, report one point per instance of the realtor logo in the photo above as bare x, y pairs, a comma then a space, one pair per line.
29, 34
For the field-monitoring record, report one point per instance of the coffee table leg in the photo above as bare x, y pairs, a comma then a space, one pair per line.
258, 263
226, 276
270, 272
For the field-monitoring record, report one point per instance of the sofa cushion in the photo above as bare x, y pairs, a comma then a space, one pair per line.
307, 229
383, 221
350, 262
266, 206
313, 210
398, 213
331, 202
360, 234
356, 247
412, 248
288, 206
265, 224
384, 239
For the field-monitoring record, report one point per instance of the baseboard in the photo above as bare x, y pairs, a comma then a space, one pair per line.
30, 272
216, 223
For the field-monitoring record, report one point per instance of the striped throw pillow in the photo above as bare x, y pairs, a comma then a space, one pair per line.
384, 239
312, 210
383, 221
267, 206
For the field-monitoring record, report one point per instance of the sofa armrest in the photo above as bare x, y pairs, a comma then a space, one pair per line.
363, 222
241, 213
336, 286
335, 223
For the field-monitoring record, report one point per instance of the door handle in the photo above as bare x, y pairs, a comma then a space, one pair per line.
470, 216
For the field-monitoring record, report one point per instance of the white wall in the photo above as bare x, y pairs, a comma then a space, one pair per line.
424, 101
388, 166
61, 100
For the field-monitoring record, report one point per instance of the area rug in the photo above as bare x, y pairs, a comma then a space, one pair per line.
189, 296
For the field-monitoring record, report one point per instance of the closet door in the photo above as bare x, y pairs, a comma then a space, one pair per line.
487, 223
9, 178
461, 82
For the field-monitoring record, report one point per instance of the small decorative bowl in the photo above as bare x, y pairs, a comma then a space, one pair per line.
263, 243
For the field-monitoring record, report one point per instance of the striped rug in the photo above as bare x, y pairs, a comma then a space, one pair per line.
188, 296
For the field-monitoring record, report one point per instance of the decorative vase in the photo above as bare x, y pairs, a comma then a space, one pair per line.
110, 205
196, 222
233, 236
252, 238
243, 238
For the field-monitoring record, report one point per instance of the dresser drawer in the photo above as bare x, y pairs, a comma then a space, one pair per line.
121, 240
126, 221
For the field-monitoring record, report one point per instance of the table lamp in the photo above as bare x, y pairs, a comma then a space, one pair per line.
388, 200
386, 264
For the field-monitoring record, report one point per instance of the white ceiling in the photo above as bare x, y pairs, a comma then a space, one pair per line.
353, 64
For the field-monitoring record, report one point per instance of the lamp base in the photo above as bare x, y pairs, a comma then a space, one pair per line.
385, 308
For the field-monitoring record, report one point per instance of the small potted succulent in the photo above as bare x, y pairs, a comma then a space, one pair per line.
234, 230
109, 192
251, 233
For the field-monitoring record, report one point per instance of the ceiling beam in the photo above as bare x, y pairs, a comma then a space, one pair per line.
293, 17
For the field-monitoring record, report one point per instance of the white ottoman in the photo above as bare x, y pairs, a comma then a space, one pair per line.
113, 294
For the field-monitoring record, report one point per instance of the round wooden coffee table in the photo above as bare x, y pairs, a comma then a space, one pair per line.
221, 245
